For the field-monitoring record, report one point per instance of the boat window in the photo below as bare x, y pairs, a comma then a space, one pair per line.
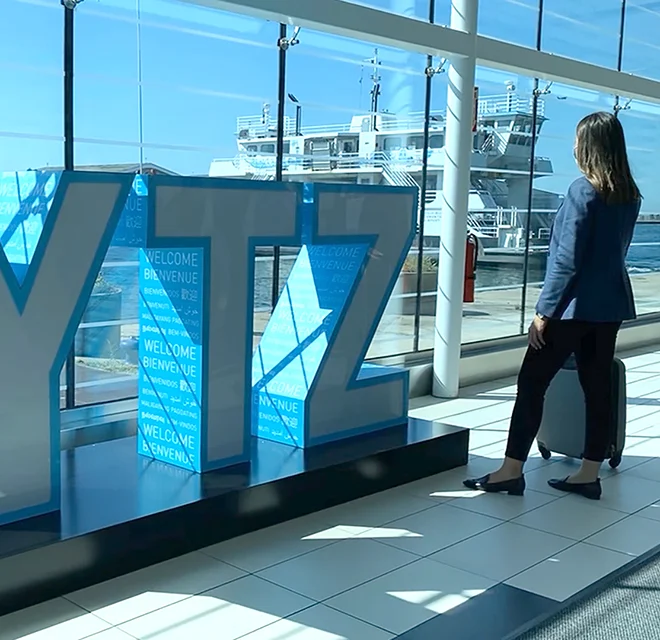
392, 143
268, 148
252, 148
286, 147
347, 147
416, 142
437, 141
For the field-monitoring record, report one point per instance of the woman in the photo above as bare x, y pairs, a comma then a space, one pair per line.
585, 298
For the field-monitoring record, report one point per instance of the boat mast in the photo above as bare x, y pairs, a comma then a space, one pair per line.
375, 90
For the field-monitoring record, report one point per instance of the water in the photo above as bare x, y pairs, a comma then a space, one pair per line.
644, 256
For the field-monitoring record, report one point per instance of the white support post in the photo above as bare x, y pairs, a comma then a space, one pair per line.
455, 193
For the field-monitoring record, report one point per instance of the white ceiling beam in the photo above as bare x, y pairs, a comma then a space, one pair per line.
350, 20
547, 66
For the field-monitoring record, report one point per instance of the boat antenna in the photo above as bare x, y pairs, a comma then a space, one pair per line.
375, 90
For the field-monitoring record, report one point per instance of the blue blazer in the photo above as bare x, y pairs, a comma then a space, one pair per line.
586, 277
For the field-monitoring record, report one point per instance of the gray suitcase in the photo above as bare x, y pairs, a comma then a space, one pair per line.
562, 428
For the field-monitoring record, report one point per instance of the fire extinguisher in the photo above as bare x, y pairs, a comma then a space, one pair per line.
471, 255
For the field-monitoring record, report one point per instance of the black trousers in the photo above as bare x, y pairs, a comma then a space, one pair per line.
593, 345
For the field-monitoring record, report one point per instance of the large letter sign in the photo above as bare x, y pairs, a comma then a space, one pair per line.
197, 291
310, 382
202, 393
43, 293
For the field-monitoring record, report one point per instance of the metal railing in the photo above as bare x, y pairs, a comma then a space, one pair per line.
263, 126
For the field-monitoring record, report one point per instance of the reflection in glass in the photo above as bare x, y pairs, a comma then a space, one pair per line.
142, 107
563, 107
509, 20
353, 115
31, 108
641, 50
409, 8
586, 31
641, 123
498, 202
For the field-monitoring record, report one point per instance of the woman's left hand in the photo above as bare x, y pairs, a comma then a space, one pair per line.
535, 334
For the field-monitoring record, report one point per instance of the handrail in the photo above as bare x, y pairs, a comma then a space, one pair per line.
499, 104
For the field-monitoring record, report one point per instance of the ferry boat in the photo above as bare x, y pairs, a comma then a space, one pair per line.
378, 147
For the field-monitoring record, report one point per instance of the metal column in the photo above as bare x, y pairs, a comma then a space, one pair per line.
70, 367
455, 189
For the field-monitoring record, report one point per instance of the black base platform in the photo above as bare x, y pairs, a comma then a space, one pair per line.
121, 512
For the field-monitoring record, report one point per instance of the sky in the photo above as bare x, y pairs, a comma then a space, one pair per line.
164, 81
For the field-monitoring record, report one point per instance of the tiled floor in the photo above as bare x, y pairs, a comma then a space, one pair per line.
393, 564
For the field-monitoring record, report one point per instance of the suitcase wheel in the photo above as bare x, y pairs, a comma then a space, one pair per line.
615, 461
545, 453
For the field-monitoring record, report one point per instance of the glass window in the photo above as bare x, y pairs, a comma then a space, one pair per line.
436, 141
410, 8
392, 143
587, 31
641, 122
141, 106
498, 204
510, 20
373, 90
432, 212
31, 108
556, 169
640, 43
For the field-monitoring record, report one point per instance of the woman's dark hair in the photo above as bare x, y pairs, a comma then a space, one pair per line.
600, 151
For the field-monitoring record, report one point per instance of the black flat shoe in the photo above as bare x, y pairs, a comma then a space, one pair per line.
515, 487
589, 490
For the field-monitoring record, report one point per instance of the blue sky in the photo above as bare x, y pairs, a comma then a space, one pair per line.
201, 69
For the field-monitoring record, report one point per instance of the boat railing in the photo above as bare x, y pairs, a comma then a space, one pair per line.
508, 103
264, 126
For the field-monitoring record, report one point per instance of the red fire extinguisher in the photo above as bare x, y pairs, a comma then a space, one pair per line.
471, 255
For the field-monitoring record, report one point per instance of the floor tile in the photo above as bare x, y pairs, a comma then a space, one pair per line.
636, 376
652, 512
320, 623
324, 573
537, 479
649, 470
641, 360
484, 437
266, 547
431, 530
483, 416
565, 574
498, 613
501, 506
110, 634
633, 535
642, 410
634, 427
571, 519
652, 431
502, 552
375, 510
53, 620
449, 485
444, 409
235, 609
495, 454
647, 448
627, 492
136, 594
411, 595
502, 425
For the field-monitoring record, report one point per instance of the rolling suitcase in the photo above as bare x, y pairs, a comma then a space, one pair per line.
562, 428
